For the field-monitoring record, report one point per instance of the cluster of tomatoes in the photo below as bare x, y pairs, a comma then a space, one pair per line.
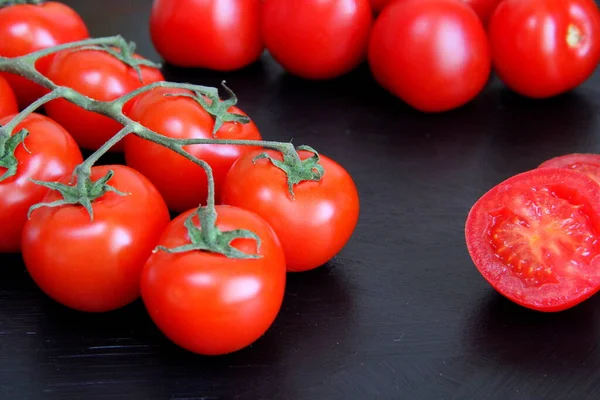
206, 302
536, 236
435, 55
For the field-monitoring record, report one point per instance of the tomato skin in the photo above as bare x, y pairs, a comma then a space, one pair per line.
54, 154
531, 49
8, 101
100, 76
409, 56
229, 32
317, 39
95, 266
571, 283
483, 8
182, 183
588, 164
208, 303
377, 5
314, 226
26, 28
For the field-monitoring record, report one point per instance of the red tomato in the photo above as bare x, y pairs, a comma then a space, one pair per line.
208, 303
96, 265
222, 35
483, 8
378, 5
54, 154
182, 183
317, 39
542, 48
315, 225
433, 54
536, 238
26, 28
100, 76
8, 101
588, 164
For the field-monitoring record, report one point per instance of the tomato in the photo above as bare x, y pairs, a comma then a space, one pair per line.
26, 28
483, 8
536, 238
378, 5
315, 225
54, 154
221, 35
96, 266
8, 101
542, 48
182, 183
100, 76
208, 303
588, 164
317, 39
433, 54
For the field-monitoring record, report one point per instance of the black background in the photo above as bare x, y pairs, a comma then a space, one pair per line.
400, 313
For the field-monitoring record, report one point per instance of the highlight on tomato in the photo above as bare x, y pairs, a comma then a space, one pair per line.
47, 153
536, 238
182, 183
314, 224
539, 62
100, 76
208, 303
221, 35
8, 100
317, 39
25, 28
100, 268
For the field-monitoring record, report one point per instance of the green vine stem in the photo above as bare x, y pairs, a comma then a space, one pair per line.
85, 191
6, 3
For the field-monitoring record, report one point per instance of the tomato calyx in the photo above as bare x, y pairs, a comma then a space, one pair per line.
8, 145
83, 192
7, 3
217, 108
296, 169
209, 238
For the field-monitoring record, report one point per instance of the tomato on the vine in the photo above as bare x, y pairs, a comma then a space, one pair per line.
542, 48
49, 154
8, 101
208, 303
314, 225
95, 265
25, 28
317, 39
222, 35
182, 183
536, 238
100, 76
433, 54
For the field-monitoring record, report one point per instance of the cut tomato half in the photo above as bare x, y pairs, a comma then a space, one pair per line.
588, 164
536, 238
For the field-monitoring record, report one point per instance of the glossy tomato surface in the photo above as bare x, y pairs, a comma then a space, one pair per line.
542, 48
315, 225
433, 54
588, 164
8, 101
536, 238
208, 303
183, 183
95, 266
25, 28
317, 39
52, 154
222, 35
100, 76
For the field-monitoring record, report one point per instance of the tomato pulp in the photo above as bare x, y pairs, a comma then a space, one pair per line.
588, 164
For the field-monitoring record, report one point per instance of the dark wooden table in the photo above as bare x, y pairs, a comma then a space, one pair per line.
401, 313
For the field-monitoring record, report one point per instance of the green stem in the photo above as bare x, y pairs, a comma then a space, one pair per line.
8, 128
95, 156
6, 3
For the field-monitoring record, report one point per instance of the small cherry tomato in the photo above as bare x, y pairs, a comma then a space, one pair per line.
100, 76
208, 303
314, 225
95, 265
8, 101
317, 39
25, 28
52, 154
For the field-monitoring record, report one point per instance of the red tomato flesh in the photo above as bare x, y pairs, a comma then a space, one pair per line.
588, 164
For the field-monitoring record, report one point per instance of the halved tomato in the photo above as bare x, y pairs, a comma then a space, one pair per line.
536, 238
588, 164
